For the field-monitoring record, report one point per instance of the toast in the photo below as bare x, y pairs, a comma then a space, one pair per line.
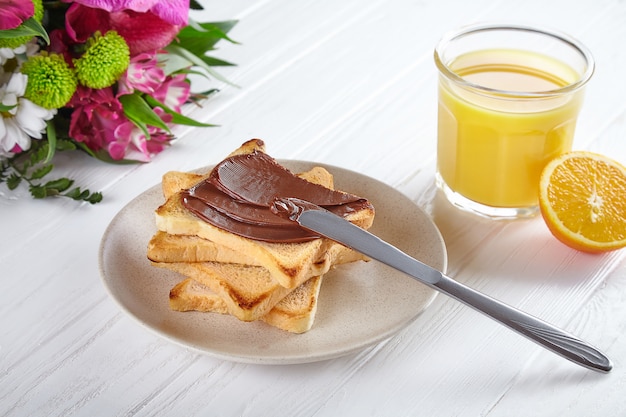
190, 295
222, 277
164, 247
290, 264
295, 313
248, 291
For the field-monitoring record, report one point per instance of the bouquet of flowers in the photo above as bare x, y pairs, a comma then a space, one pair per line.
106, 77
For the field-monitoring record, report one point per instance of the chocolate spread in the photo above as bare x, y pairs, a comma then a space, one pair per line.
240, 190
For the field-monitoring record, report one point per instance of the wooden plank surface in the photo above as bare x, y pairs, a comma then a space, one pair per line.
351, 84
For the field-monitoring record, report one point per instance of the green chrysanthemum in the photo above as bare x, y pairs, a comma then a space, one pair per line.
21, 40
104, 61
51, 82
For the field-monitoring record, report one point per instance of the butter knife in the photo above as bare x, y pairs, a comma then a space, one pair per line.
325, 223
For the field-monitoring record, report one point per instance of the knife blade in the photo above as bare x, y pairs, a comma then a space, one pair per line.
327, 224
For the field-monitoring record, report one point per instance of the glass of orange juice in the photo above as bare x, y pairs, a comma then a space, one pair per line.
509, 97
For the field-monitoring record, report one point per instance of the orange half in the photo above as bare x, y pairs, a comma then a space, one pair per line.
582, 197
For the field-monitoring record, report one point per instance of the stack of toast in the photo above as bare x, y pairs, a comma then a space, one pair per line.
274, 282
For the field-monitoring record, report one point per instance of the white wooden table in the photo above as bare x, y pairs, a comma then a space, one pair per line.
348, 83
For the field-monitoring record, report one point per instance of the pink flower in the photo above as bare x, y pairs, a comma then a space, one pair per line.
132, 143
173, 92
98, 120
96, 115
174, 12
143, 74
60, 43
143, 31
15, 12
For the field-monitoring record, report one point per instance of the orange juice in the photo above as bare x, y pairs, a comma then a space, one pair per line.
494, 140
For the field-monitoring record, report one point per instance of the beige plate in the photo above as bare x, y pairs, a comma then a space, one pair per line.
360, 304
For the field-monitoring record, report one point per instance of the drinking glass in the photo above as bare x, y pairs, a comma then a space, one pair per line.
509, 98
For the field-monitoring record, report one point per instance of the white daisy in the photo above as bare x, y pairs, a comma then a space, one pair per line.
10, 53
24, 120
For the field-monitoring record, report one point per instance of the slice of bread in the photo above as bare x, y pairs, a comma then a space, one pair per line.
190, 295
164, 247
248, 291
295, 313
290, 264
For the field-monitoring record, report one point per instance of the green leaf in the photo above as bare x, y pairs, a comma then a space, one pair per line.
30, 27
177, 50
37, 153
13, 181
144, 127
83, 195
194, 5
65, 145
202, 37
4, 167
51, 134
210, 62
173, 63
77, 194
191, 71
216, 62
177, 118
104, 156
140, 113
41, 172
207, 93
4, 107
58, 185
94, 198
36, 27
38, 191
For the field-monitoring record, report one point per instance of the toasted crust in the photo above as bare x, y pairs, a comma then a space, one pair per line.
173, 181
295, 313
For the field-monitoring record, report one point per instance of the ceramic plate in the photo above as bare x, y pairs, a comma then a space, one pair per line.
360, 304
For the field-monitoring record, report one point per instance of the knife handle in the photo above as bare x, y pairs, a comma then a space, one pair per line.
545, 334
